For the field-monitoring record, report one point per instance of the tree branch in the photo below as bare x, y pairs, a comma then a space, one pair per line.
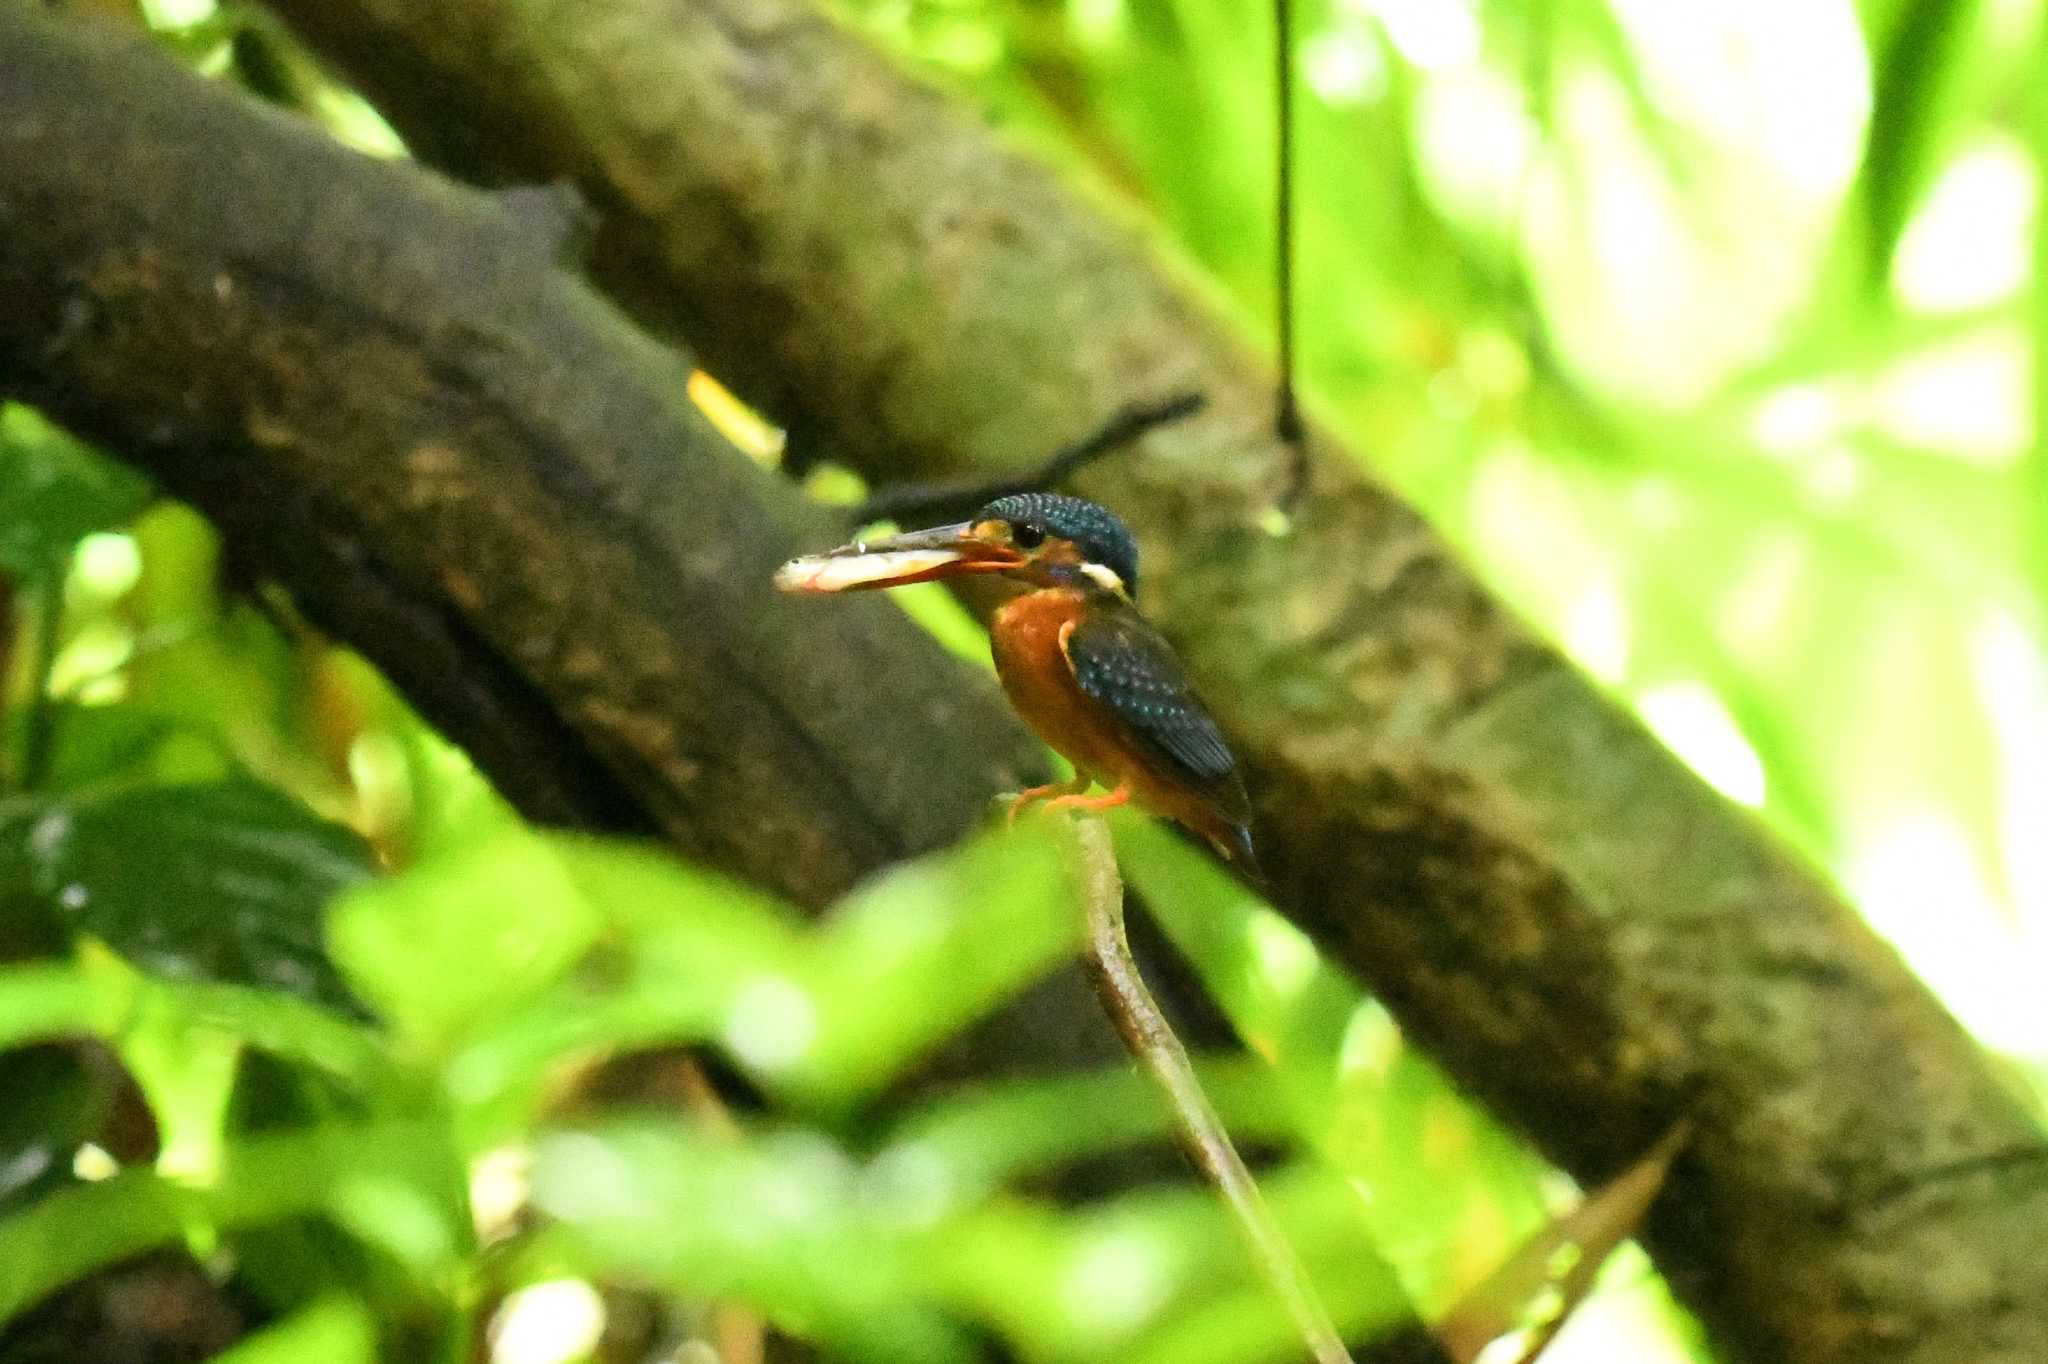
1588, 937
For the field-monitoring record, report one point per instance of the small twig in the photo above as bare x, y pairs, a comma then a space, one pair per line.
1537, 1289
1151, 1040
964, 495
1287, 423
1997, 1162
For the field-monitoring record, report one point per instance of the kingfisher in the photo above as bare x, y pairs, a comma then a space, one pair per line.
1081, 665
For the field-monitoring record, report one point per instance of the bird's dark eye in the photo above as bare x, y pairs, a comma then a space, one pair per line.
1027, 535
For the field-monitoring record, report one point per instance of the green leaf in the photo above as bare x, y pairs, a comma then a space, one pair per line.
1013, 1129
103, 997
40, 1003
394, 1185
1923, 57
786, 1221
57, 1106
827, 1017
100, 744
1161, 1274
188, 1075
458, 938
684, 956
335, 1331
928, 947
54, 491
476, 962
852, 1250
226, 881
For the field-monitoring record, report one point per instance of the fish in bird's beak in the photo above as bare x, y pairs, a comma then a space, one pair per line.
917, 557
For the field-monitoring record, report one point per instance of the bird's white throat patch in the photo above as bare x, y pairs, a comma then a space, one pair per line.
1104, 577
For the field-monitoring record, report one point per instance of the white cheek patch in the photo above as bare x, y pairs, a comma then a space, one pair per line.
816, 574
1104, 577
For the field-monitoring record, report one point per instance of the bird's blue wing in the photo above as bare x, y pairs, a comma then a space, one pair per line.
1123, 663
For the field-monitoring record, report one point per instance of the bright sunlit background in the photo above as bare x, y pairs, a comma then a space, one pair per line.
1712, 333
1725, 384
1707, 330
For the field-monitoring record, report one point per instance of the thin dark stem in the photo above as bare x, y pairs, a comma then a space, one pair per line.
41, 739
1151, 1040
1993, 1163
1287, 422
961, 496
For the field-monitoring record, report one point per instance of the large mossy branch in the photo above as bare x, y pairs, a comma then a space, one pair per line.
1590, 938
390, 393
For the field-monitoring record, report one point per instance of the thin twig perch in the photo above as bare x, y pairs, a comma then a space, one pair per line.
960, 496
1145, 1031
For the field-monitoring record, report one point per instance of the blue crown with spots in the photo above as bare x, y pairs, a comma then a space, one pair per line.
1094, 528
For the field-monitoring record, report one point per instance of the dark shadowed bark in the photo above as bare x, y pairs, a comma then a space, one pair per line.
388, 391
1587, 935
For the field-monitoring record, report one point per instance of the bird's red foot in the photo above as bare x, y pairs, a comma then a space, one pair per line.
1063, 790
1120, 796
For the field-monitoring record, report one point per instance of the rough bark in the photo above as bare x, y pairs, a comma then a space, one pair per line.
1587, 935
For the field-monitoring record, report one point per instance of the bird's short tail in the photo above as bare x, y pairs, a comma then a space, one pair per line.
1235, 843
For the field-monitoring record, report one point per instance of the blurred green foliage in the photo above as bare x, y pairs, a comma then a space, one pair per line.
1713, 333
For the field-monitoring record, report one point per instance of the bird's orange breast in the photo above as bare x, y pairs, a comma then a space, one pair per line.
1024, 636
